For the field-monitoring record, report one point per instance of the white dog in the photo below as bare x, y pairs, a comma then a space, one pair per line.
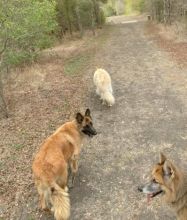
103, 85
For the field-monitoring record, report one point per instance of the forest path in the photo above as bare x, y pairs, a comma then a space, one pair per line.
150, 115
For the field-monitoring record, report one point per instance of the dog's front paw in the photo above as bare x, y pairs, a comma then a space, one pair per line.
70, 186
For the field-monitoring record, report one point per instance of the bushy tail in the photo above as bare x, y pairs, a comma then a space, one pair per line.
60, 202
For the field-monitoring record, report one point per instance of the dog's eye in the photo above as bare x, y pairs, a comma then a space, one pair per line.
154, 181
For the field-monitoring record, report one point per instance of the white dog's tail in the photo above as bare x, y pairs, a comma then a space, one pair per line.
60, 202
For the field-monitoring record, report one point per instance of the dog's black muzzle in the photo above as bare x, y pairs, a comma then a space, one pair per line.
90, 131
94, 132
152, 189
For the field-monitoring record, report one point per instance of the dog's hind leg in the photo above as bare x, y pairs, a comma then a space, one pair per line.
97, 91
102, 98
103, 101
42, 203
62, 180
43, 200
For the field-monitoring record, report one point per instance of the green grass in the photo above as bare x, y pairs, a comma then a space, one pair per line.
74, 65
30, 218
1, 165
77, 64
17, 146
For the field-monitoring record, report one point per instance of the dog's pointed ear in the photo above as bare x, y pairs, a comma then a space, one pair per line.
169, 169
162, 158
87, 112
79, 117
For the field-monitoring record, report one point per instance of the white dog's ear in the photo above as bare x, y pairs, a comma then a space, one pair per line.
87, 112
79, 118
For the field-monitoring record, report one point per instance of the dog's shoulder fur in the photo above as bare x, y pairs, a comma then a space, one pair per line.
102, 78
179, 204
57, 150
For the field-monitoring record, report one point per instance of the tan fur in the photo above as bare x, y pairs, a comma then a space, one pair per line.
175, 187
61, 203
50, 166
103, 85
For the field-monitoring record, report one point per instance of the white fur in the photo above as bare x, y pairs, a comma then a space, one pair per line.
103, 85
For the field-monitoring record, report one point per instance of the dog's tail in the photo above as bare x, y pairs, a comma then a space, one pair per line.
60, 202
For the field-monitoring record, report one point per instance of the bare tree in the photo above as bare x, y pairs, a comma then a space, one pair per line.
167, 11
3, 104
77, 13
4, 43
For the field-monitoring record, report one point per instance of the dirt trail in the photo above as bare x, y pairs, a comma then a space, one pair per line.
150, 115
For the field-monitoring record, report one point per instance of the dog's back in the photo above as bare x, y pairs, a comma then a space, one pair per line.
102, 80
103, 85
55, 151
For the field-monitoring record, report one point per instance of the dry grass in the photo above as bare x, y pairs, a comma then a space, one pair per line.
171, 39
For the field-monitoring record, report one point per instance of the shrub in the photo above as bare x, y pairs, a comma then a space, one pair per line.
109, 11
79, 14
102, 18
86, 11
26, 26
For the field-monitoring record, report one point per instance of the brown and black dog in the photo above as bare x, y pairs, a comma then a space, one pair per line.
170, 181
50, 166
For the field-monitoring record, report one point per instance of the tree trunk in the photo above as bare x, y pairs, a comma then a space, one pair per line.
68, 16
93, 18
93, 23
169, 12
165, 12
3, 105
96, 11
79, 20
